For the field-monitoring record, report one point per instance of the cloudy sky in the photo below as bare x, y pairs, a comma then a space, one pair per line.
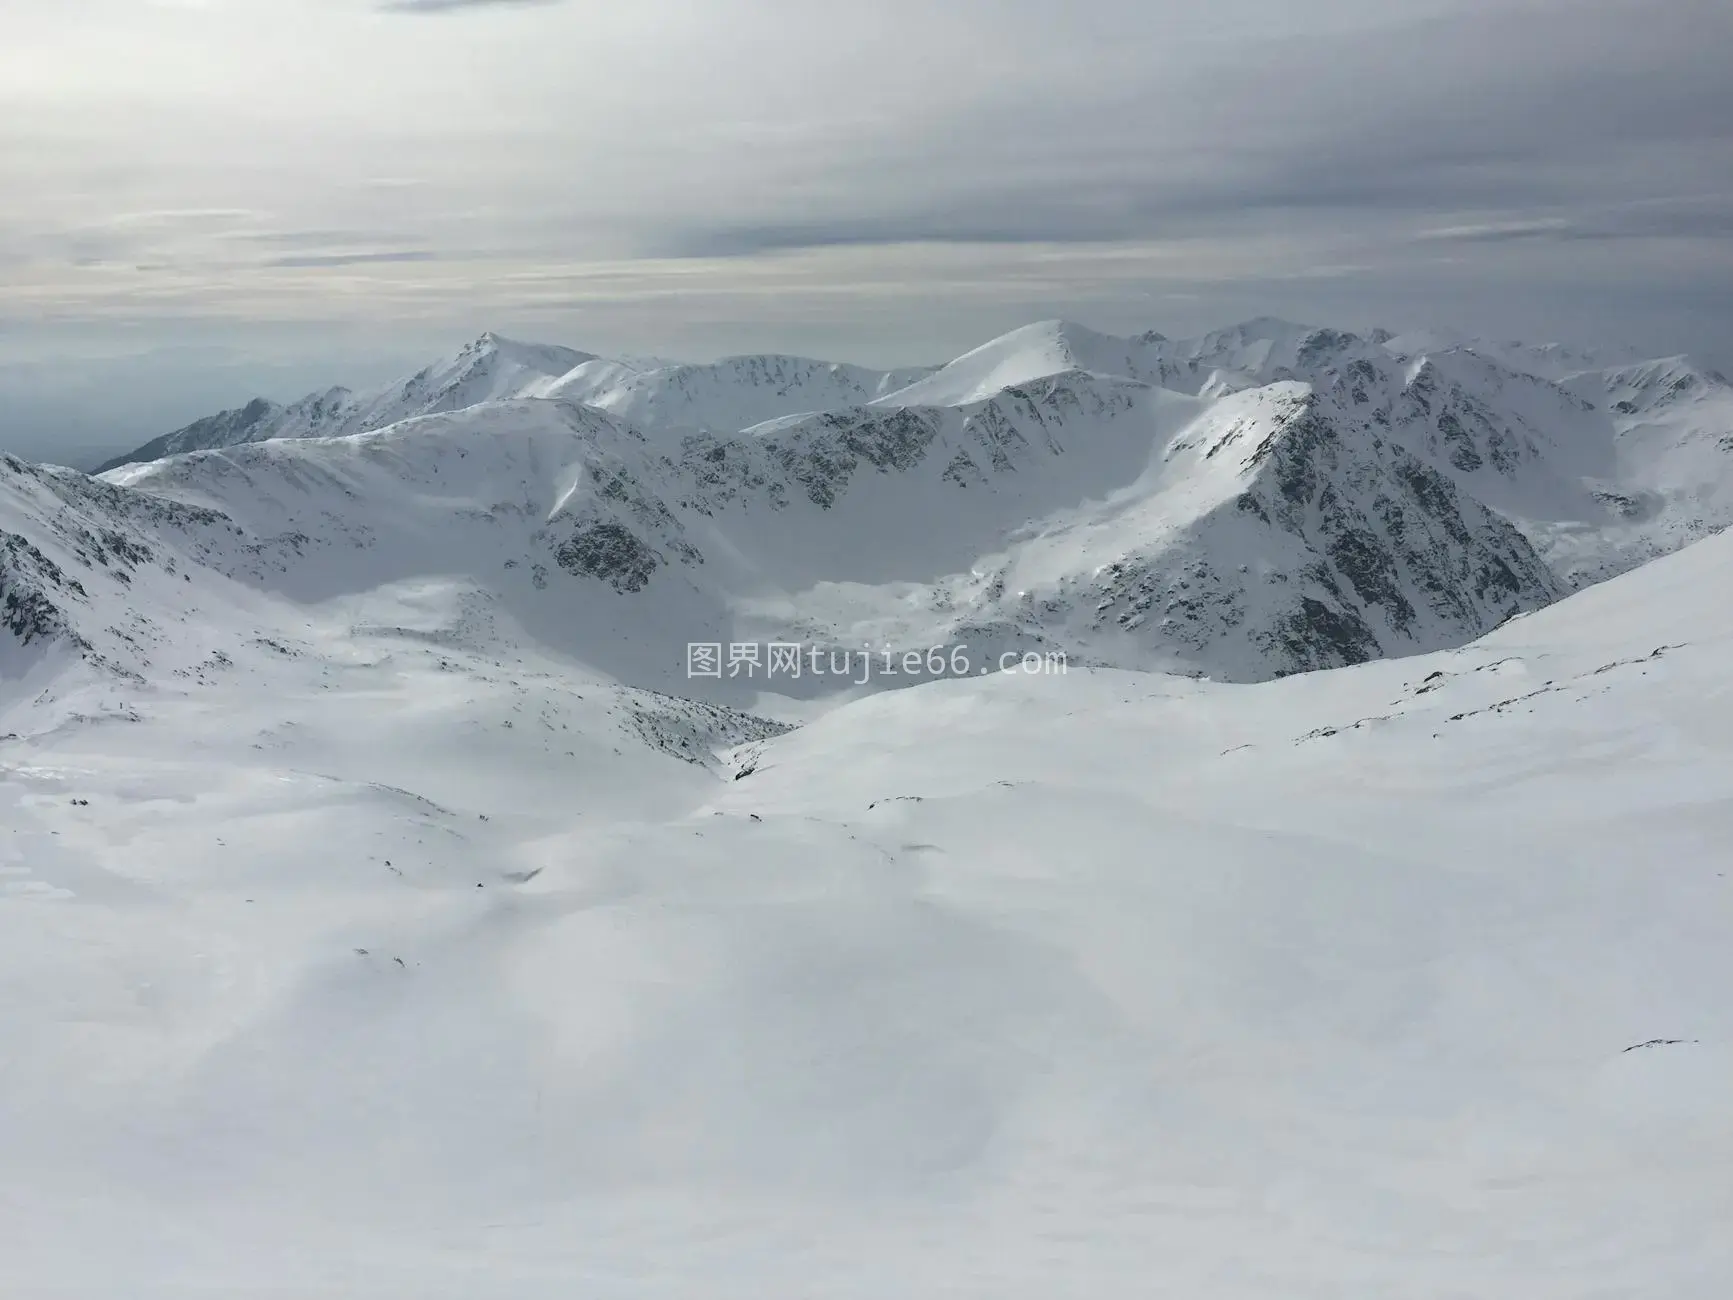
200, 199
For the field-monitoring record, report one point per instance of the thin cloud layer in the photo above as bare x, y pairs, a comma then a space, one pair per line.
895, 181
354, 259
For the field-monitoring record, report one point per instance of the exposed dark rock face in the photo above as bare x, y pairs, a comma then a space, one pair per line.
84, 533
1317, 635
26, 577
610, 552
1366, 551
822, 456
612, 525
818, 457
994, 437
725, 470
1398, 534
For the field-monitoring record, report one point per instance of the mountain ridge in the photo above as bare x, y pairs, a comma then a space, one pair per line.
1264, 499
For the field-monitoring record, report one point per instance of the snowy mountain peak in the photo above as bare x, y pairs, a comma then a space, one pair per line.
1033, 351
547, 358
1662, 382
1271, 348
730, 394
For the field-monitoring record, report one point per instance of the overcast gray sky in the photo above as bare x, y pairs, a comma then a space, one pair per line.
200, 199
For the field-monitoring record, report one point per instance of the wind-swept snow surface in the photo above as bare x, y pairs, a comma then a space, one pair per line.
383, 961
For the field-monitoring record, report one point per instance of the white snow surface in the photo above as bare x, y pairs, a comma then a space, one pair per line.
384, 912
377, 966
727, 395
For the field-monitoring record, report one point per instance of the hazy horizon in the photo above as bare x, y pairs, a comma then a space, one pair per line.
211, 200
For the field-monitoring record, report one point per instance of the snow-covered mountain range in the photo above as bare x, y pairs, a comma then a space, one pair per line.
729, 394
1264, 499
384, 910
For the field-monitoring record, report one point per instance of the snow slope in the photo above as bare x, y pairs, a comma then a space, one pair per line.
1036, 351
729, 394
1553, 361
489, 369
398, 965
